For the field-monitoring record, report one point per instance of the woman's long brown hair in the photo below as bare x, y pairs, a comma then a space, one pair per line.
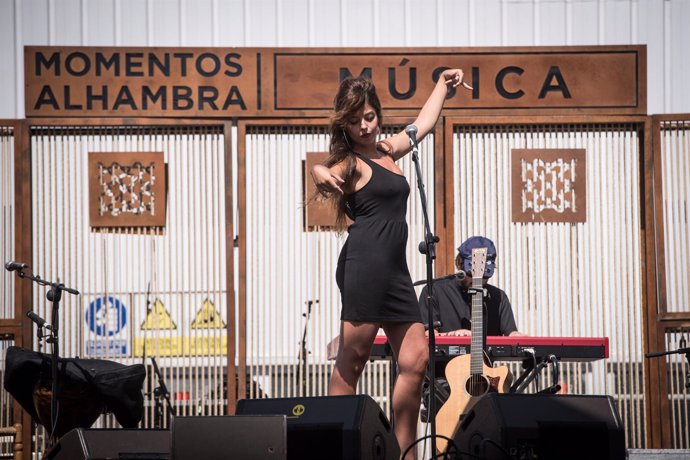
353, 93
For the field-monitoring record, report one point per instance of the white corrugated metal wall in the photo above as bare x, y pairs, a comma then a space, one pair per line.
660, 24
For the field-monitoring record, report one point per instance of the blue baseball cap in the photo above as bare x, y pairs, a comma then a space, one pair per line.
476, 242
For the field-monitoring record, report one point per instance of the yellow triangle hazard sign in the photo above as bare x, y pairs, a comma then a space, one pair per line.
158, 318
208, 317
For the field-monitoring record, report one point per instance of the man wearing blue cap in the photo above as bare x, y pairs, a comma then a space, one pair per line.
453, 308
454, 304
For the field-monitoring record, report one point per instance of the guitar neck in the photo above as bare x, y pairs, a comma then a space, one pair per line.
477, 343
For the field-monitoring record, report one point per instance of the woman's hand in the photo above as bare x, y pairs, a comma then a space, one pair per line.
326, 181
454, 78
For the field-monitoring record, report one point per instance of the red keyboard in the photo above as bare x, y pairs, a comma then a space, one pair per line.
501, 348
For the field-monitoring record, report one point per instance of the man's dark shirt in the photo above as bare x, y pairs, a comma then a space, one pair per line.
454, 308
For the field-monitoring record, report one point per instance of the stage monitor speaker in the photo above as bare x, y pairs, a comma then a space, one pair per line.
333, 427
108, 444
259, 437
539, 426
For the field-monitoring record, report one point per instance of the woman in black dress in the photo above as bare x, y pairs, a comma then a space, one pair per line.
361, 176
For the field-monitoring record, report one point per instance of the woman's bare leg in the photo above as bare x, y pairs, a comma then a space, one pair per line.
353, 354
411, 350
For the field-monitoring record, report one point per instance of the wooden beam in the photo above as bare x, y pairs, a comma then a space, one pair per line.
231, 371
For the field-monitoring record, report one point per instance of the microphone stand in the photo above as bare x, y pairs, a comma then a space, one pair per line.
455, 276
428, 248
54, 296
680, 351
148, 312
302, 359
161, 391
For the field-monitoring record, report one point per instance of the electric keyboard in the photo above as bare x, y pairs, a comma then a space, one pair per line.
515, 348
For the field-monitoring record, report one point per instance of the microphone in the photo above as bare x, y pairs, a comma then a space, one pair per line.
12, 266
662, 353
461, 275
40, 322
411, 131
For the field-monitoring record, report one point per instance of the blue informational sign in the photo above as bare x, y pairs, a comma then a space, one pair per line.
106, 316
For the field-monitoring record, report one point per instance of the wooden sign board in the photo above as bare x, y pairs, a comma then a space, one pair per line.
269, 82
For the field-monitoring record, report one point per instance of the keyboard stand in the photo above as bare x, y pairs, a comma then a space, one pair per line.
532, 371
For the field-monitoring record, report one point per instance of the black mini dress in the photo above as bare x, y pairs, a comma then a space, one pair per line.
372, 274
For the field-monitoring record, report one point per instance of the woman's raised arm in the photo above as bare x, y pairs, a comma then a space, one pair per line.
425, 121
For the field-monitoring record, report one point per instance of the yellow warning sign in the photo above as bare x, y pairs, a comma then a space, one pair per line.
158, 318
175, 342
208, 317
181, 346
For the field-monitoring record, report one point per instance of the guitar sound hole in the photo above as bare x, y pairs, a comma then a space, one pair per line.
477, 385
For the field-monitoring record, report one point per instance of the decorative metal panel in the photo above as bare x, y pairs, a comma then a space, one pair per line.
145, 292
292, 301
566, 279
548, 185
127, 189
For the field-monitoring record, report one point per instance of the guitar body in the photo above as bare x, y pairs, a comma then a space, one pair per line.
468, 376
465, 390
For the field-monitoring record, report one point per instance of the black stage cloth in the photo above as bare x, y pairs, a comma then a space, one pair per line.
116, 387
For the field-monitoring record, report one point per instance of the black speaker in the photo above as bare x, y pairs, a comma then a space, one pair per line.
333, 427
259, 437
541, 426
107, 444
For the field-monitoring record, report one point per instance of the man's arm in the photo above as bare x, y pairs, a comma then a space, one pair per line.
452, 310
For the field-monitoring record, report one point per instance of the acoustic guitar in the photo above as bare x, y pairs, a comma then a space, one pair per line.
470, 377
